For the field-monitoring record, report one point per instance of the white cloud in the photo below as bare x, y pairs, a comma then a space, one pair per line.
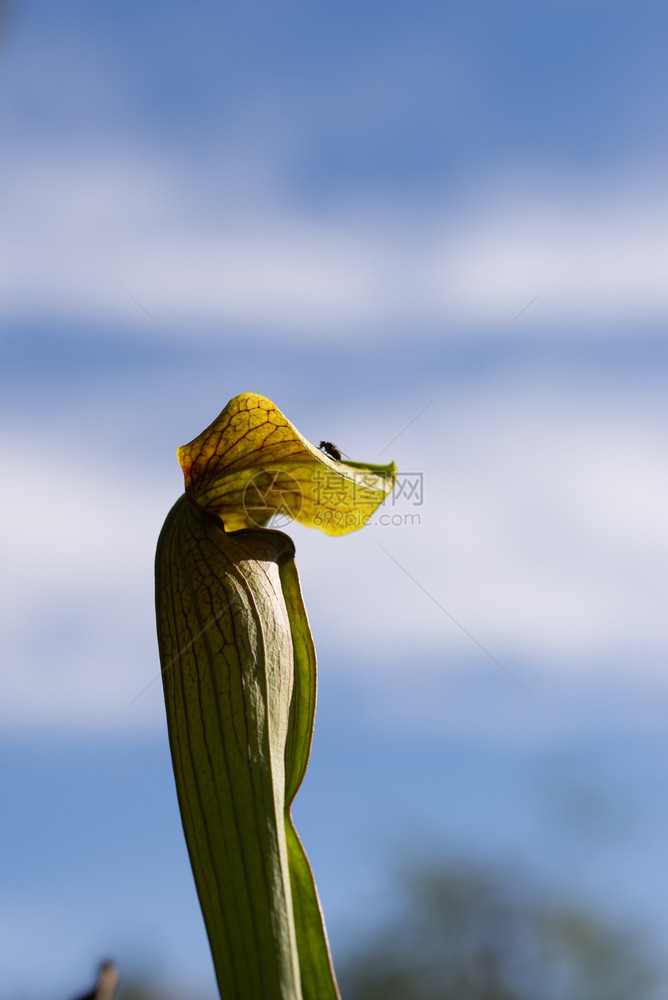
543, 534
77, 606
80, 230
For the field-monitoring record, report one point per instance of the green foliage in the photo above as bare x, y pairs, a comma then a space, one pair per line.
470, 934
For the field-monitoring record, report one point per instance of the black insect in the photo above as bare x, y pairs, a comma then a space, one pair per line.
331, 450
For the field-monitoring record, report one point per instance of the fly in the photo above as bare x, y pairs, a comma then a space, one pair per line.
330, 449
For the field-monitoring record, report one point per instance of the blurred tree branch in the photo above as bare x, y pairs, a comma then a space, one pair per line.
105, 987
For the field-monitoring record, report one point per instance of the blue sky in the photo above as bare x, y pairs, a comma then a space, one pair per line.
340, 208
